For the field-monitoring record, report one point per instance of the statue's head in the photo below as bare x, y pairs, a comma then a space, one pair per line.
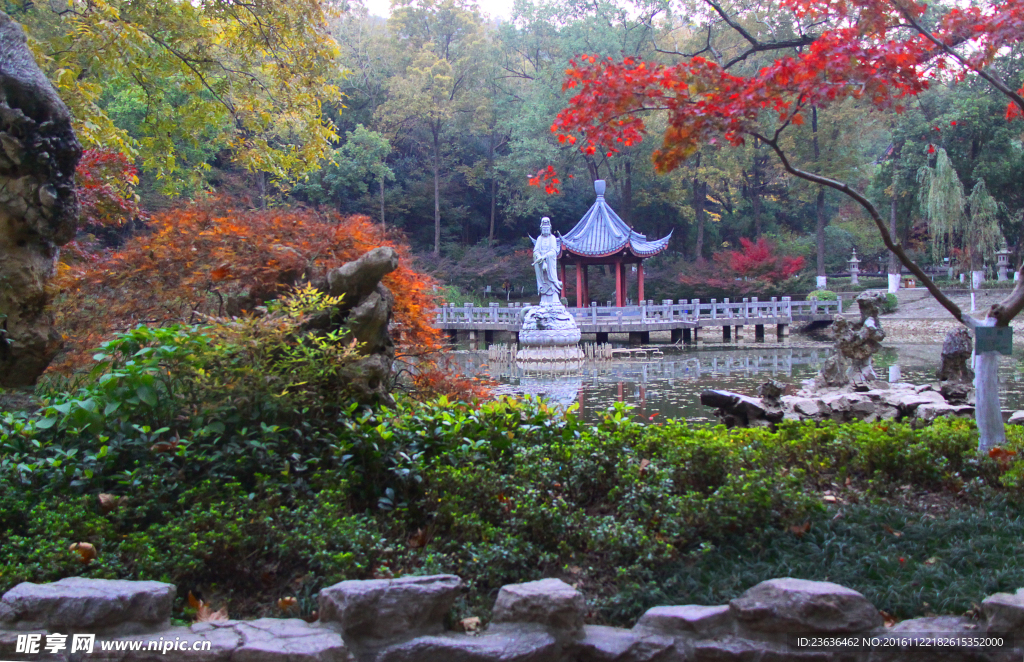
545, 226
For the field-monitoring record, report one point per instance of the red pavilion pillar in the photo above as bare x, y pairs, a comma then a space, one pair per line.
579, 285
620, 283
561, 277
640, 281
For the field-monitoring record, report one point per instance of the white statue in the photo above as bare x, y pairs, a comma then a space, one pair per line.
545, 264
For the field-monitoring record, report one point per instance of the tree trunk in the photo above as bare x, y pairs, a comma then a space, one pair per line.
987, 410
437, 191
895, 268
494, 191
819, 210
700, 196
382, 206
627, 194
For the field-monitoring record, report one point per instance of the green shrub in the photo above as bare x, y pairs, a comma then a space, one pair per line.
823, 295
891, 303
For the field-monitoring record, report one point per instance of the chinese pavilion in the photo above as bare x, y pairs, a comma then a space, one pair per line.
601, 237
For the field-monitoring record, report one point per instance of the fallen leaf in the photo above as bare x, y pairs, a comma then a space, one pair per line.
888, 619
85, 550
108, 502
313, 616
889, 529
469, 625
800, 529
643, 466
418, 539
204, 614
193, 601
932, 560
829, 498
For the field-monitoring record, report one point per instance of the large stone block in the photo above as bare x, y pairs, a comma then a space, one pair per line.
386, 608
1004, 612
200, 643
892, 649
287, 640
607, 644
78, 603
521, 645
549, 602
692, 620
797, 605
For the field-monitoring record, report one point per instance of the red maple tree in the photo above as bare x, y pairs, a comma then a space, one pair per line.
105, 182
880, 51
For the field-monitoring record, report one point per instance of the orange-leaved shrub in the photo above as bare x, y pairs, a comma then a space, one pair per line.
215, 258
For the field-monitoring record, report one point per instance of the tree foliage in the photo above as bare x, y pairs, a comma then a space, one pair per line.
256, 74
216, 259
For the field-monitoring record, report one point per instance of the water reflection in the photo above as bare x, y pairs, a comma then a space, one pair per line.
669, 386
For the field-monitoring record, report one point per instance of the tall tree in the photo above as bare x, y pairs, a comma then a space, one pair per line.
255, 73
437, 86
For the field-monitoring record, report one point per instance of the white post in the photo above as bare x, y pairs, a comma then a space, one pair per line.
973, 304
822, 282
987, 411
894, 283
976, 278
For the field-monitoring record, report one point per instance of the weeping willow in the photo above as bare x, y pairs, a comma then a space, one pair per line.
956, 220
943, 201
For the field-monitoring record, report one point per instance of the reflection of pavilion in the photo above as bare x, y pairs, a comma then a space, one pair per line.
601, 237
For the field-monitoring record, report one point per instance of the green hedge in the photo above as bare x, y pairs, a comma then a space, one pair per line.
244, 494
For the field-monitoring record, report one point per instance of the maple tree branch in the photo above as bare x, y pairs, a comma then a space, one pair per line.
756, 45
887, 239
946, 48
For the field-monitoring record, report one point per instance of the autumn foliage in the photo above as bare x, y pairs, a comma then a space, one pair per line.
216, 259
868, 54
105, 182
758, 261
754, 269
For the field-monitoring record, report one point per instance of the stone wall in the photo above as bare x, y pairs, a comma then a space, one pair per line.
401, 620
38, 206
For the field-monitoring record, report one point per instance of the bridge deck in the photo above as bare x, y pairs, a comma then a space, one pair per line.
666, 316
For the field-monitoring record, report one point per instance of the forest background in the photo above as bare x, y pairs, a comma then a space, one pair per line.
432, 121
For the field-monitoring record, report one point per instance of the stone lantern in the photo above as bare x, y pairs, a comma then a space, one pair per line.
854, 268
1003, 261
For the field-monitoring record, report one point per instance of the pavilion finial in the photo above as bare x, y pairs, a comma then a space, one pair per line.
599, 187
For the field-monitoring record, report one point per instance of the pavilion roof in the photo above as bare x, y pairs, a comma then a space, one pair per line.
601, 232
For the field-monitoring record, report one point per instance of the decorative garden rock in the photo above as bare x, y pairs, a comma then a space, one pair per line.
956, 355
800, 606
400, 621
387, 608
549, 602
856, 344
38, 206
81, 604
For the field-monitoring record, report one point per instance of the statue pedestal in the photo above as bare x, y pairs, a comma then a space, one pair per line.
549, 338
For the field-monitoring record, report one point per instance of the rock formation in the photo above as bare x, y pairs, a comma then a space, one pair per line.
38, 206
366, 311
856, 344
847, 389
402, 620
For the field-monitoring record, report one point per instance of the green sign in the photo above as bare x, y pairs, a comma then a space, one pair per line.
993, 339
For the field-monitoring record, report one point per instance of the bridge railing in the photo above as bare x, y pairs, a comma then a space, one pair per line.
743, 311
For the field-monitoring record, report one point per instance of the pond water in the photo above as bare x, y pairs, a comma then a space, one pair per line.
669, 386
